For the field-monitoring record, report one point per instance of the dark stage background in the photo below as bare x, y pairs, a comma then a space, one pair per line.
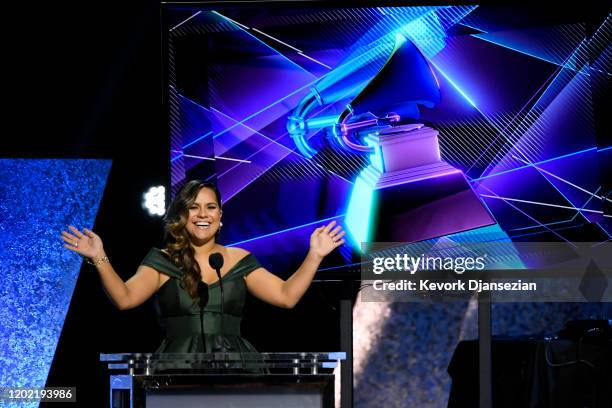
86, 82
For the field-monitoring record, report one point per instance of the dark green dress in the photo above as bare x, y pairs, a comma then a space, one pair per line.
180, 316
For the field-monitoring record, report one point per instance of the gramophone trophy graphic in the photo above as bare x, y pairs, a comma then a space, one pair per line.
407, 193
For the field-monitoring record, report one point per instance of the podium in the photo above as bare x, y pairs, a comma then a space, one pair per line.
215, 380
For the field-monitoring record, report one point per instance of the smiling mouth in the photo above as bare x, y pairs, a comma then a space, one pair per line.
202, 225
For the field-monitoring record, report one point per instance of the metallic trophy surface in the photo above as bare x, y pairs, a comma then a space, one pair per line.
407, 193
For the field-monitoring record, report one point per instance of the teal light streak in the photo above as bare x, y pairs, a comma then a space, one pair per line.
317, 123
362, 206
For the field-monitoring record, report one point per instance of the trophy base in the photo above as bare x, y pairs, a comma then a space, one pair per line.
413, 204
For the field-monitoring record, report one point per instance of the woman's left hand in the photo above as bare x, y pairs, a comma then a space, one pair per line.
325, 239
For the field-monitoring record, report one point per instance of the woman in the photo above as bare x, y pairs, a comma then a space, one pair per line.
192, 225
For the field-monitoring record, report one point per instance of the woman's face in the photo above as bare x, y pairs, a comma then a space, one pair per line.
204, 216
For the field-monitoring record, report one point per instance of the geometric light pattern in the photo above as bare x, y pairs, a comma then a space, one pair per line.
516, 117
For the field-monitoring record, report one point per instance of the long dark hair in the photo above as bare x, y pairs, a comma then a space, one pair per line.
177, 239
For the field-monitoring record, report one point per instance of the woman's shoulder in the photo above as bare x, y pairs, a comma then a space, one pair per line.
243, 260
242, 256
157, 253
237, 253
159, 259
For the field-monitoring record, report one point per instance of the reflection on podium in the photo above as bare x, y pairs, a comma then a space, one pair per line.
214, 380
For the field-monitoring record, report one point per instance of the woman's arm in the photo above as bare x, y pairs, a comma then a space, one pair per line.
124, 295
132, 293
271, 289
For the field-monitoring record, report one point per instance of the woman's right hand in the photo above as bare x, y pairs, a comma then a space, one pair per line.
85, 243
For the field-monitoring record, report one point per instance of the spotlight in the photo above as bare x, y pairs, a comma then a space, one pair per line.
154, 200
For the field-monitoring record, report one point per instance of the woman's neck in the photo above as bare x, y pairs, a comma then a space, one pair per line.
204, 250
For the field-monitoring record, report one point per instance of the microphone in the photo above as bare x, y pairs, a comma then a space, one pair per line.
215, 260
202, 301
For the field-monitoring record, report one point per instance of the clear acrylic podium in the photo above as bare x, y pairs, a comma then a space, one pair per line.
215, 380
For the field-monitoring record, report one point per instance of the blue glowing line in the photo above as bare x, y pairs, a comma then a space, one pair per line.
559, 72
472, 27
227, 18
487, 207
547, 224
265, 108
516, 50
518, 200
189, 100
551, 230
199, 106
527, 215
278, 101
501, 132
338, 69
604, 230
209, 110
272, 141
314, 60
590, 198
280, 137
550, 182
286, 230
558, 178
533, 164
245, 30
277, 40
460, 13
604, 149
197, 140
548, 83
253, 130
467, 98
564, 221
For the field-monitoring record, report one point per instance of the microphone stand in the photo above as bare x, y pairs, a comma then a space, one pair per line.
223, 349
215, 260
203, 299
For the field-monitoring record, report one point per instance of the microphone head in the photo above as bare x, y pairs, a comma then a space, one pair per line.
216, 261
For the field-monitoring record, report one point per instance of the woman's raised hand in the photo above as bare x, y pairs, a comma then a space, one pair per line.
325, 239
85, 243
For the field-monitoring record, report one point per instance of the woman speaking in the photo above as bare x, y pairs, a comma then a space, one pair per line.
185, 282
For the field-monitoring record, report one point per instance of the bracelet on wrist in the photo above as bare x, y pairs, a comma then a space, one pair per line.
97, 261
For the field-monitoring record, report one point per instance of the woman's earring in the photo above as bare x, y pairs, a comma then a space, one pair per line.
220, 224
